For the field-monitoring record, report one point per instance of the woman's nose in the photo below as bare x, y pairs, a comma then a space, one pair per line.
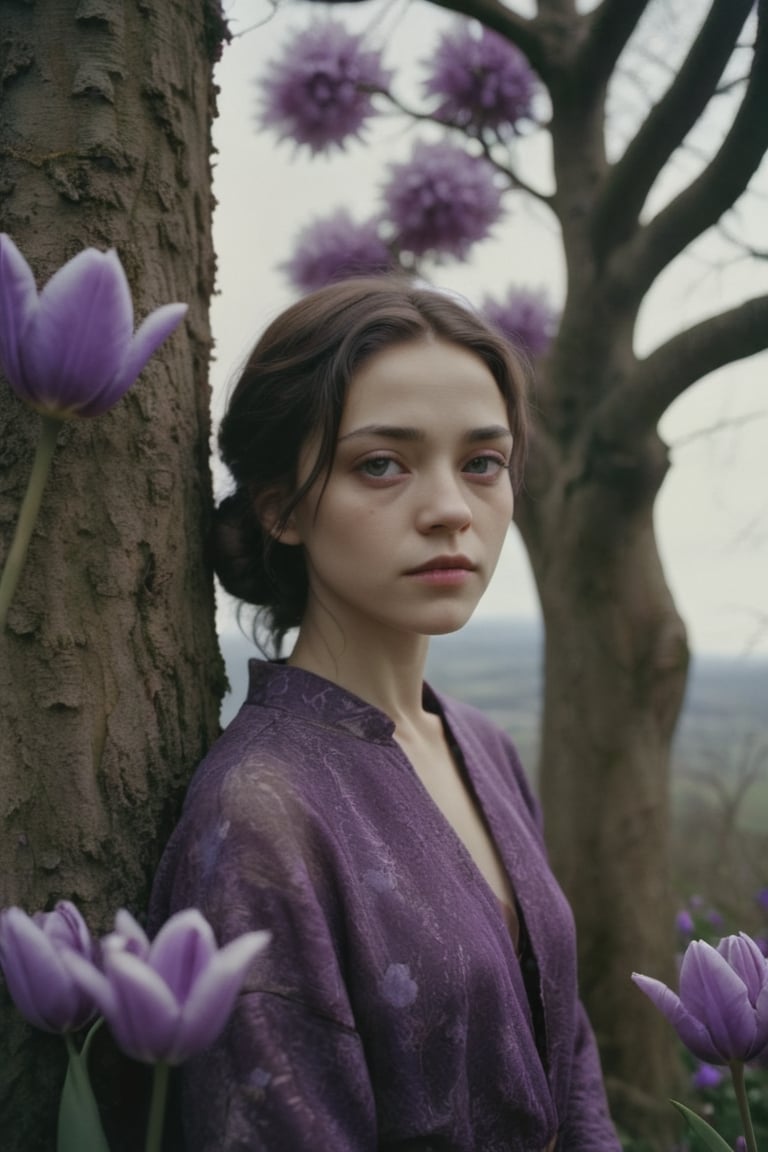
444, 504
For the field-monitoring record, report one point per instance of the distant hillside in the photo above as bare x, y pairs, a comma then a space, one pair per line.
497, 665
493, 664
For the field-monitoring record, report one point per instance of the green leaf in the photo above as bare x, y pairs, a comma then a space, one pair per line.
704, 1131
80, 1128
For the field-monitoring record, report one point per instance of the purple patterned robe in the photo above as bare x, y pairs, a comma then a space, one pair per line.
390, 1011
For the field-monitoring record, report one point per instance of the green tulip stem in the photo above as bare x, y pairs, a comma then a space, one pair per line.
737, 1073
79, 1126
157, 1109
49, 431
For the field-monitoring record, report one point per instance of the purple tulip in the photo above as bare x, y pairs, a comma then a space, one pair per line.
721, 1014
33, 951
170, 999
71, 350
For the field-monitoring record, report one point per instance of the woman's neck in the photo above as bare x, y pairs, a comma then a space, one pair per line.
385, 670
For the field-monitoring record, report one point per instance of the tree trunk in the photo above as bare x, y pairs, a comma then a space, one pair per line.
110, 675
616, 661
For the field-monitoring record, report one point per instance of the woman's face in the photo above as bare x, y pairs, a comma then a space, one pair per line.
408, 529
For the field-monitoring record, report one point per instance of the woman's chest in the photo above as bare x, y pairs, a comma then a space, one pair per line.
437, 993
441, 773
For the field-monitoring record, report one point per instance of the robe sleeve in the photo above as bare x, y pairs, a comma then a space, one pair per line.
289, 1072
281, 1079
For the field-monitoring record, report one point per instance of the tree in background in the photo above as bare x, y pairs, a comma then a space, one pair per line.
616, 651
109, 671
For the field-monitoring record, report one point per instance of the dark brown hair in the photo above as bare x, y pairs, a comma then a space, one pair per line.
294, 385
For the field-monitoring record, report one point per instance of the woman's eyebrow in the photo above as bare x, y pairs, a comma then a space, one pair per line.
400, 432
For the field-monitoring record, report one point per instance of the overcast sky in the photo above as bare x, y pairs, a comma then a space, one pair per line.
712, 514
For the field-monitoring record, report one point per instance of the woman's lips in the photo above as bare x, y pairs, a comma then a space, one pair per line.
444, 570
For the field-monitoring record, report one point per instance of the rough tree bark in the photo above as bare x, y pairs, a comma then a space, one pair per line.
109, 669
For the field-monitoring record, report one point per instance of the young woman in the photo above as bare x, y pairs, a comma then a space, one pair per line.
419, 991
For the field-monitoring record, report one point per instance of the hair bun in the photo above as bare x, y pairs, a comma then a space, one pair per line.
236, 545
257, 569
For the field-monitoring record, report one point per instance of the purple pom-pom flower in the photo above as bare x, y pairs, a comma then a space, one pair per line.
71, 350
480, 80
721, 1014
170, 999
335, 247
441, 200
524, 318
32, 956
319, 92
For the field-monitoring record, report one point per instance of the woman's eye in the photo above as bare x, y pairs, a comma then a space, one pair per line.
380, 467
484, 465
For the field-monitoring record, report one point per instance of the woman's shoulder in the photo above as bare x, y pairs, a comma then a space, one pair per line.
289, 715
257, 807
295, 750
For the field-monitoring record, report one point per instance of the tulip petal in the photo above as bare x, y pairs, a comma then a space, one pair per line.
210, 1002
78, 335
148, 337
40, 984
128, 936
65, 926
91, 981
717, 996
747, 961
761, 1038
182, 950
690, 1030
18, 301
145, 1018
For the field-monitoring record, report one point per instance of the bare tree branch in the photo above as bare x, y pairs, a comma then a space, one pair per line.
610, 27
505, 169
631, 178
559, 8
512, 175
699, 206
729, 85
748, 250
514, 27
681, 361
273, 6
718, 427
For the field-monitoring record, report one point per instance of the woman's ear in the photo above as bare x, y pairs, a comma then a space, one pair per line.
269, 505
